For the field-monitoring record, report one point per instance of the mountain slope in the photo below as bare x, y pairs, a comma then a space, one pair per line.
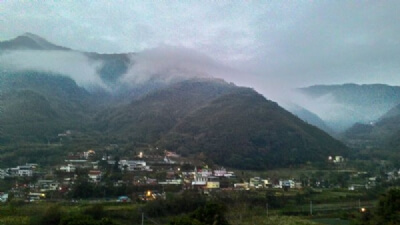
384, 133
111, 66
244, 130
230, 125
29, 41
341, 106
310, 117
35, 105
151, 116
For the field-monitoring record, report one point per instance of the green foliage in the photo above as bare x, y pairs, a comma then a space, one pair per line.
184, 203
79, 219
14, 220
209, 119
36, 105
210, 214
244, 130
96, 211
82, 188
148, 118
90, 217
52, 215
283, 220
388, 211
184, 220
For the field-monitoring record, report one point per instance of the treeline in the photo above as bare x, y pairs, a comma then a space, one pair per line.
186, 209
386, 212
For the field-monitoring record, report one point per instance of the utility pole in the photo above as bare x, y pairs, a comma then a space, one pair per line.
142, 218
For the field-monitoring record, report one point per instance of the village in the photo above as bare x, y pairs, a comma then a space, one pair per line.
88, 175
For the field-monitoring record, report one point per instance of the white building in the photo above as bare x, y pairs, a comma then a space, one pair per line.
287, 183
338, 159
199, 178
95, 175
3, 174
47, 185
171, 181
70, 168
25, 171
132, 165
220, 173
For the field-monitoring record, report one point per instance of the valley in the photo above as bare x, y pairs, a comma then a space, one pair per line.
105, 148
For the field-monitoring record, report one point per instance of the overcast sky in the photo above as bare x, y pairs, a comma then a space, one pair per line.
273, 44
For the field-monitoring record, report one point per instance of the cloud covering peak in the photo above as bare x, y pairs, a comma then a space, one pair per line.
75, 65
169, 63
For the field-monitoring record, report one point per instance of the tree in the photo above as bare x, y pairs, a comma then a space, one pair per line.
52, 216
96, 211
211, 214
82, 188
184, 220
388, 211
116, 165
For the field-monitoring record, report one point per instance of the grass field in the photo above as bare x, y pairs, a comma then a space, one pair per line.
243, 208
331, 221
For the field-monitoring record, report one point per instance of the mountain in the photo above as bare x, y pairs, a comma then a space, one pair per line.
111, 66
384, 133
243, 129
230, 125
198, 117
35, 105
341, 106
310, 117
109, 69
29, 41
149, 117
393, 112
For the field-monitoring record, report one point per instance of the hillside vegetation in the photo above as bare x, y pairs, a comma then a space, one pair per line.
244, 129
353, 103
229, 125
204, 118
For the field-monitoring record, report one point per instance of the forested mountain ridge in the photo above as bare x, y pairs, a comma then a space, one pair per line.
341, 106
243, 129
229, 125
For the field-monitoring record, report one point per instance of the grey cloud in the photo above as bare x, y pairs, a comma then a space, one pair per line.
273, 46
335, 42
72, 64
169, 63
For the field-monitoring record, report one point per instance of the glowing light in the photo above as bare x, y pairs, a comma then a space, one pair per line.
148, 194
363, 209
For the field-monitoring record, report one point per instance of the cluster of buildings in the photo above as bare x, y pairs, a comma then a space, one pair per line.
143, 171
19, 171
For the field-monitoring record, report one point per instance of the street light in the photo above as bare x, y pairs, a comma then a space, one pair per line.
148, 193
363, 210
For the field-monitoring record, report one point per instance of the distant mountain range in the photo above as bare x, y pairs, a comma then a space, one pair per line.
29, 41
205, 118
383, 133
310, 117
341, 106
